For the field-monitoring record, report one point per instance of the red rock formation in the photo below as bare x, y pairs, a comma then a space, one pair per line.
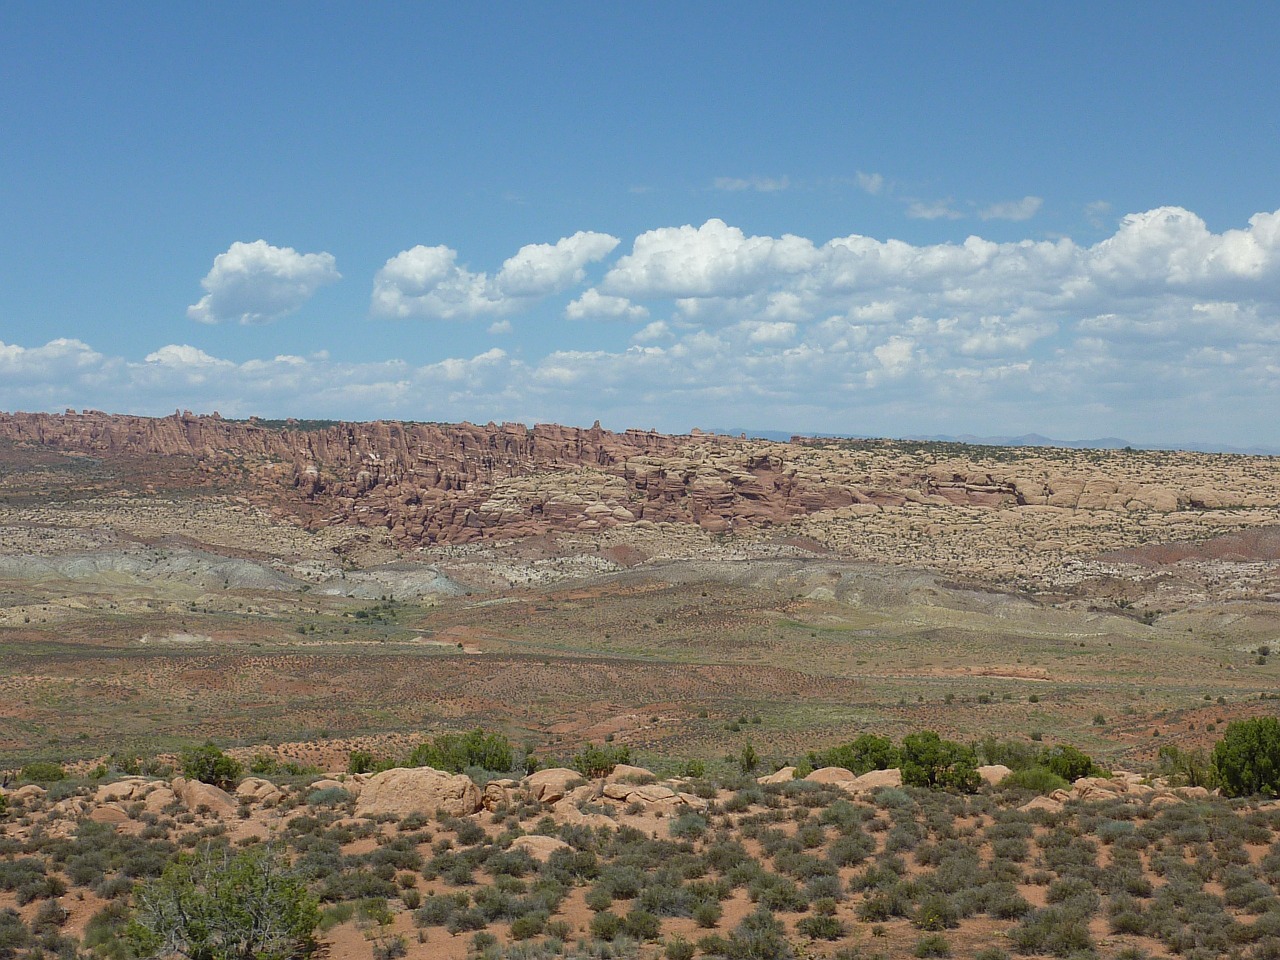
452, 483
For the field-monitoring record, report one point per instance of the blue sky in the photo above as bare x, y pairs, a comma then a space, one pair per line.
667, 215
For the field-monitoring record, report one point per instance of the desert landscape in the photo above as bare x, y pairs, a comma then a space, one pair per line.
715, 615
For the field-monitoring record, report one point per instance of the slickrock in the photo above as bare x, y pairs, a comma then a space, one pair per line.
402, 791
783, 775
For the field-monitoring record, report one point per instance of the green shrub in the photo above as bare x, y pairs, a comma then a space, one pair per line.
214, 904
642, 925
14, 934
1040, 779
930, 761
1068, 763
1053, 930
43, 771
208, 764
934, 945
606, 925
455, 752
598, 761
1190, 768
678, 948
867, 752
821, 927
1246, 760
760, 936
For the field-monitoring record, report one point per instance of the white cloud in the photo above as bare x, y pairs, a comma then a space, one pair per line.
257, 283
933, 210
872, 183
499, 327
1023, 209
712, 260
1163, 327
428, 282
765, 332
593, 303
758, 184
652, 332
1096, 212
539, 269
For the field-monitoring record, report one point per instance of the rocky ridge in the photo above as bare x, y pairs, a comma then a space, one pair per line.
457, 483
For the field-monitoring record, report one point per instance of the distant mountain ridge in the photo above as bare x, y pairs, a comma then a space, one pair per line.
1024, 440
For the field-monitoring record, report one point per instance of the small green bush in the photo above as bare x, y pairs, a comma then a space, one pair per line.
1040, 779
208, 764
1068, 763
595, 761
934, 945
42, 771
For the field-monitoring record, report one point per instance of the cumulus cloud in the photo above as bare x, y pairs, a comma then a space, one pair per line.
593, 303
758, 184
1023, 209
1164, 326
712, 260
652, 332
257, 283
539, 269
428, 282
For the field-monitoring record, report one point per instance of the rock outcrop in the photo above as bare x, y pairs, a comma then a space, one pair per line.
404, 791
454, 483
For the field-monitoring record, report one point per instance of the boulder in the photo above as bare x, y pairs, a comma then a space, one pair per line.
566, 811
875, 779
624, 771
1048, 804
993, 773
127, 789
785, 775
497, 793
31, 791
401, 792
259, 791
539, 847
195, 795
548, 786
111, 813
837, 775
159, 798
